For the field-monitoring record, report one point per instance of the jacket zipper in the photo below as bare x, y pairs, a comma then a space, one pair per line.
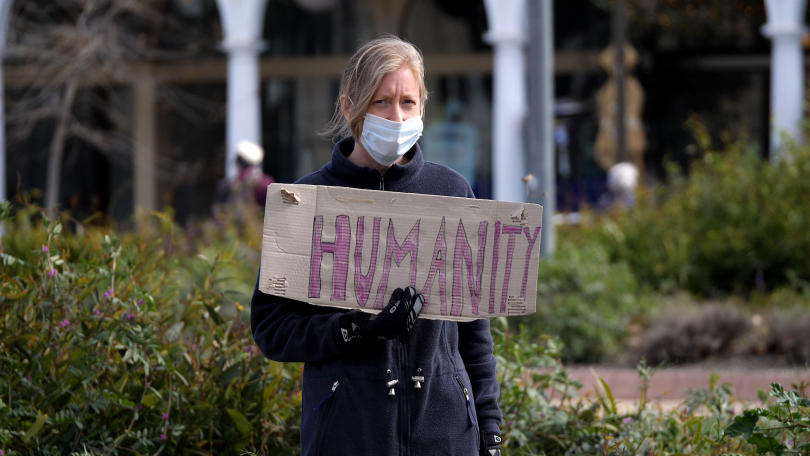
327, 406
467, 397
405, 450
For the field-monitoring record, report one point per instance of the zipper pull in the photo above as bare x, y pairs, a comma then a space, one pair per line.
418, 379
463, 389
390, 384
334, 387
467, 396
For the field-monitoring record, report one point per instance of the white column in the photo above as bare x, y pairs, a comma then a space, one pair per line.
242, 22
506, 21
785, 28
5, 8
244, 116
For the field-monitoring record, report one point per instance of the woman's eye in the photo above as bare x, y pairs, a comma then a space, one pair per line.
379, 102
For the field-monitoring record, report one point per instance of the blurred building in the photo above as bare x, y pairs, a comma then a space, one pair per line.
176, 102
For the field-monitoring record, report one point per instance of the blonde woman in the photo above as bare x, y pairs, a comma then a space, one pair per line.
390, 384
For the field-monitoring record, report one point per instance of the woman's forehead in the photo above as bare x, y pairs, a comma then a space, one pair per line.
401, 80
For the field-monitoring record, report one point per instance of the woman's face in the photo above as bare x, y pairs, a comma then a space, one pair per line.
397, 96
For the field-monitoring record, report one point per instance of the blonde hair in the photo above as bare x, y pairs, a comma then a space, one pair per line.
363, 75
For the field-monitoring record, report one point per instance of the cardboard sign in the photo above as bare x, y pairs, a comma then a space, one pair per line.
349, 248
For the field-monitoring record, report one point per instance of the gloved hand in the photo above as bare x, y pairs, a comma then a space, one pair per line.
396, 319
490, 444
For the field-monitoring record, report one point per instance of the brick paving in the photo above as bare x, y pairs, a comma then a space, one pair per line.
672, 384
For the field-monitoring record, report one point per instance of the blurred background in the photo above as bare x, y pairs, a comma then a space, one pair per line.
145, 125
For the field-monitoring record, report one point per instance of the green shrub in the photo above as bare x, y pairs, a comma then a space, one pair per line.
544, 415
115, 347
587, 301
737, 224
137, 344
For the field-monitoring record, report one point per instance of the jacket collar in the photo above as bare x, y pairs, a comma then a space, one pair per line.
342, 172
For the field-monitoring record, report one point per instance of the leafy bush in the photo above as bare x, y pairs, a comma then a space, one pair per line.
111, 346
543, 413
784, 429
138, 344
587, 301
737, 224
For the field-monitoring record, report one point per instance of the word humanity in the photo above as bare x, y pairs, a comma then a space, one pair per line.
395, 253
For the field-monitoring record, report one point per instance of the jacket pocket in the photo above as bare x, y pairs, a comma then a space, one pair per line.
470, 414
324, 407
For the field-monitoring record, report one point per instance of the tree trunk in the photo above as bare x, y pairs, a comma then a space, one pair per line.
53, 181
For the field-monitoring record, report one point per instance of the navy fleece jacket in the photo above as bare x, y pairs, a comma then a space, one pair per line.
346, 407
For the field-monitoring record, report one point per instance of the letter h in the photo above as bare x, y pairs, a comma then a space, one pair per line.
340, 250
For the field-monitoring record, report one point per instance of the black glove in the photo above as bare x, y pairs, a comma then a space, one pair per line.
396, 319
490, 444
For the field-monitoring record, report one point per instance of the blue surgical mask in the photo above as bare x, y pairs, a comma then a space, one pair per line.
386, 141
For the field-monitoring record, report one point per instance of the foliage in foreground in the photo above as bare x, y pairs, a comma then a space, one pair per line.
110, 345
123, 346
543, 414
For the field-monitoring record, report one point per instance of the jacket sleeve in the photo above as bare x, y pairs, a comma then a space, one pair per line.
292, 331
476, 349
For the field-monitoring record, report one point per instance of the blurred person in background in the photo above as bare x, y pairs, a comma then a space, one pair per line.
251, 182
390, 383
622, 181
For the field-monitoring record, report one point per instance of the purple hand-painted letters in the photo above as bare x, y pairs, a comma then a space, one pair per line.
465, 264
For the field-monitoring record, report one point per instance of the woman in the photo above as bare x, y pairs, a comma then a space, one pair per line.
389, 384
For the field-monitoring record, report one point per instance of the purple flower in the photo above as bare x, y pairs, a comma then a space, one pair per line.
44, 249
140, 301
64, 323
53, 345
28, 377
193, 346
627, 420
108, 293
163, 437
165, 416
97, 312
52, 273
139, 407
1, 453
129, 316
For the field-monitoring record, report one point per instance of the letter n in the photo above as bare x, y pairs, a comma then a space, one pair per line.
464, 253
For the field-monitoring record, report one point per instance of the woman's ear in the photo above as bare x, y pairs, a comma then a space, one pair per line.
346, 108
